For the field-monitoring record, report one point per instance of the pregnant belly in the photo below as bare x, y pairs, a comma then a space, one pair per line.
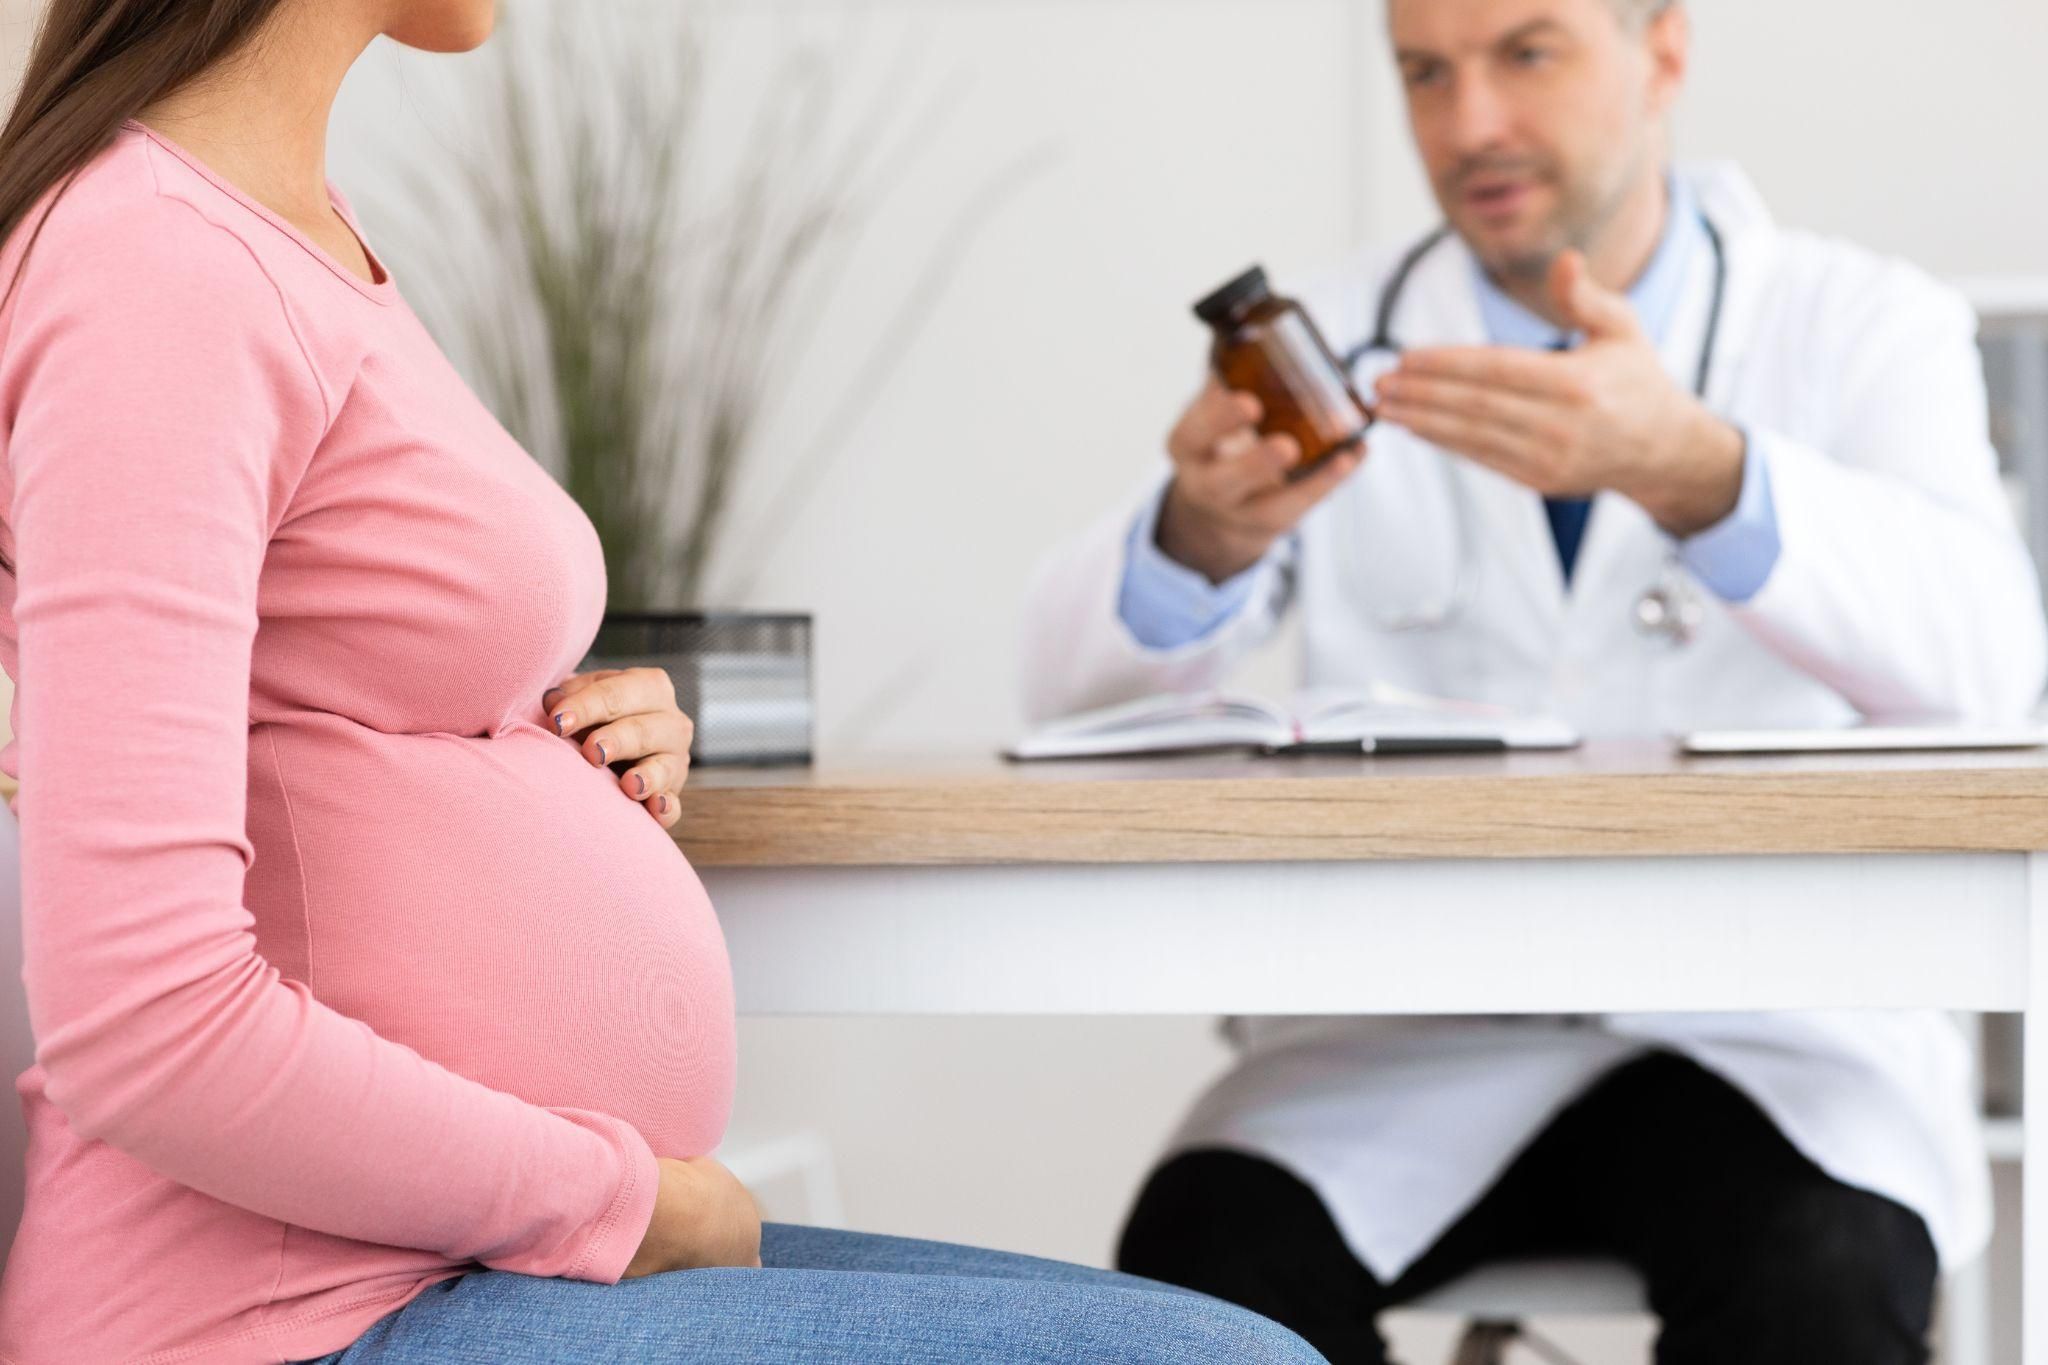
500, 906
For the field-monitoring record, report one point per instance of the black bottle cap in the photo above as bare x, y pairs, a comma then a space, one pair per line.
1233, 298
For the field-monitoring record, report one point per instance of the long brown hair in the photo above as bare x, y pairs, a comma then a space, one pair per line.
96, 64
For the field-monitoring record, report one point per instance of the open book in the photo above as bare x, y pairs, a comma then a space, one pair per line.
1378, 719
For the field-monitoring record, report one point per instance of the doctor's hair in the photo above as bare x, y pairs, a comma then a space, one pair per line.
1636, 15
95, 64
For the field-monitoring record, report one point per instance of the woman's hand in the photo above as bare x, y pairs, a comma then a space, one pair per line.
629, 716
703, 1217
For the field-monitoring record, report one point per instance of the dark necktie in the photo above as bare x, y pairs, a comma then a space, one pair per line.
1568, 516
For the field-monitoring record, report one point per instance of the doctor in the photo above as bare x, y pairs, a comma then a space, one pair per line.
1648, 461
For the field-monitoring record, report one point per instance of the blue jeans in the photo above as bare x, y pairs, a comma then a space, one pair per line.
826, 1298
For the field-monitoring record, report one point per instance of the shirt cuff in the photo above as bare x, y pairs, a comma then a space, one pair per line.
1165, 604
1735, 556
615, 1239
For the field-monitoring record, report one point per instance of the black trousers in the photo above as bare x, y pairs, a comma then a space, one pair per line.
1752, 1254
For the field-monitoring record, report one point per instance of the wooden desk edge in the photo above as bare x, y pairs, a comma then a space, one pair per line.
1679, 812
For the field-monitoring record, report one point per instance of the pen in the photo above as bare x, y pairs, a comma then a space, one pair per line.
1394, 744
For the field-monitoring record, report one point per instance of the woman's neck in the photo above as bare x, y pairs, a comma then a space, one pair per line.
259, 119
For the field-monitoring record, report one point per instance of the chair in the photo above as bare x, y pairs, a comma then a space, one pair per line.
1496, 1299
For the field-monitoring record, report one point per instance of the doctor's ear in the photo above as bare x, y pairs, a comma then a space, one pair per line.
1667, 38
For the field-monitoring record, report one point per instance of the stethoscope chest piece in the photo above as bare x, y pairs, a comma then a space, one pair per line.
1670, 611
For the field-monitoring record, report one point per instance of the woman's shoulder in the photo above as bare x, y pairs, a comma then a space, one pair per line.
128, 220
139, 242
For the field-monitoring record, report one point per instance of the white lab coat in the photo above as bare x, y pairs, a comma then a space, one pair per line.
1902, 588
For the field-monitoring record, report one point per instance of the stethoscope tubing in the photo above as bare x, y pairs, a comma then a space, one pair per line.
1464, 583
1396, 288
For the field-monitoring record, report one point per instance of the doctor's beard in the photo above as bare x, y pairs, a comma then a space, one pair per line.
1578, 219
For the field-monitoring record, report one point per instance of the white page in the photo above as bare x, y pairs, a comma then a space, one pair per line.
1162, 724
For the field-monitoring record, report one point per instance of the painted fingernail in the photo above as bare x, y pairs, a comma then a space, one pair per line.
665, 803
562, 722
601, 759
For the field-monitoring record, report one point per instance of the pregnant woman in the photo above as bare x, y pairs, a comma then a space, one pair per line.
379, 1018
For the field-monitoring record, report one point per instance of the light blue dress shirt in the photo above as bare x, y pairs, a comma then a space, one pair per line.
1167, 605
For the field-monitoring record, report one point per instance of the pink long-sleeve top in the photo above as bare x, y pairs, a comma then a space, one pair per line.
347, 974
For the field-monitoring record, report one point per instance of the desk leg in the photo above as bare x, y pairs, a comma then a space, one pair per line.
2034, 1167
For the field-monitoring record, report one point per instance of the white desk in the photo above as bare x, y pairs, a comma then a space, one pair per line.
1617, 878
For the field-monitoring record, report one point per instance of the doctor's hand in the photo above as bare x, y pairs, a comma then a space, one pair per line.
1231, 497
627, 719
1569, 424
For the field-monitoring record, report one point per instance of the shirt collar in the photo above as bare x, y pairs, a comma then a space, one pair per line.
1654, 295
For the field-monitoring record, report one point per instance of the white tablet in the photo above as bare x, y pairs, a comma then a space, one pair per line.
1865, 739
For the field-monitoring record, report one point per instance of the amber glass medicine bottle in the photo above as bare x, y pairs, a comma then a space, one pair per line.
1266, 345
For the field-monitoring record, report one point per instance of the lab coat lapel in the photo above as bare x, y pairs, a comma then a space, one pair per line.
1750, 237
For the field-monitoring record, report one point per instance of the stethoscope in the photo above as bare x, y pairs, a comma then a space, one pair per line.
1670, 609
